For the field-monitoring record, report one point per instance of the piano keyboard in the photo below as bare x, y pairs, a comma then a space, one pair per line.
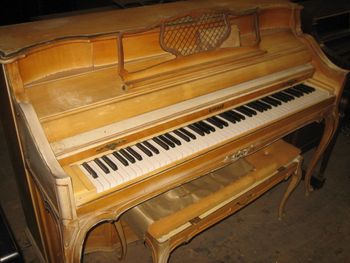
134, 161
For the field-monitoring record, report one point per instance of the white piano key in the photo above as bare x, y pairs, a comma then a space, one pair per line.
101, 175
95, 181
185, 147
126, 171
112, 175
145, 164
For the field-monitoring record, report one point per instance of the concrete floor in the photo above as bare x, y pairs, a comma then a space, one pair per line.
316, 228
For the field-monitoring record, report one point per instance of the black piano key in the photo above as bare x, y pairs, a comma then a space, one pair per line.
255, 106
275, 100
311, 89
182, 135
237, 115
127, 156
110, 163
208, 126
290, 97
161, 143
220, 121
172, 138
196, 130
304, 88
279, 97
228, 117
103, 167
272, 101
144, 149
167, 141
120, 158
151, 147
188, 133
90, 170
201, 127
134, 153
263, 104
244, 111
251, 111
301, 89
214, 122
294, 92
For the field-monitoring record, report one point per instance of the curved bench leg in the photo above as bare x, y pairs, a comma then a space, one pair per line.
160, 251
123, 244
294, 181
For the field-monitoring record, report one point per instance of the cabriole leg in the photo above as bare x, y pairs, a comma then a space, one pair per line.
330, 126
294, 181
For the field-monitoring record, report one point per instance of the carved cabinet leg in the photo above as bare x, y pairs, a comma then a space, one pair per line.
294, 181
330, 126
160, 251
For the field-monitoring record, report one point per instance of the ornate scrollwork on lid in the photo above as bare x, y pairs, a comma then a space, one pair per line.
190, 34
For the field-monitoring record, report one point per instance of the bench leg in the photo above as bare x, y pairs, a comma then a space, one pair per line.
160, 251
120, 233
296, 177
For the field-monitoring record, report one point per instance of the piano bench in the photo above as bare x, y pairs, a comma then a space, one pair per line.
176, 216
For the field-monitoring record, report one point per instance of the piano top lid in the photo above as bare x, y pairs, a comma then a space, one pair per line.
16, 39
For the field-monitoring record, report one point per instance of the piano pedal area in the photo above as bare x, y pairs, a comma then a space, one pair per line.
173, 218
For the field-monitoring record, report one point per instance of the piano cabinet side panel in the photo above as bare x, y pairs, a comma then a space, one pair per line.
48, 224
54, 185
16, 157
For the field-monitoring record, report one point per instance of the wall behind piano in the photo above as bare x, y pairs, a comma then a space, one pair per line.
20, 11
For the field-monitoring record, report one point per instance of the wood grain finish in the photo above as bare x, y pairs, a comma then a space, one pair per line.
72, 101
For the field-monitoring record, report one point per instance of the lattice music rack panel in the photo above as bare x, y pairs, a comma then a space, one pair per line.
196, 33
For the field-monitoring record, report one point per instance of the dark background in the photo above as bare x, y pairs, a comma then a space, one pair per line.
19, 11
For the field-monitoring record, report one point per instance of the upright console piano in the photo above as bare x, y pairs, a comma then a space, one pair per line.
108, 110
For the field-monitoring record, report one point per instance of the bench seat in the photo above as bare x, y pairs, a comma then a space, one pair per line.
176, 216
